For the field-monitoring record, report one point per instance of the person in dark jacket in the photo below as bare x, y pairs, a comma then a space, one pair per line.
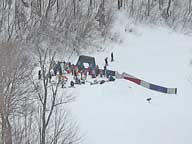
97, 70
69, 65
106, 61
105, 71
55, 70
75, 74
81, 72
72, 84
149, 99
62, 84
59, 68
49, 76
101, 73
39, 74
112, 57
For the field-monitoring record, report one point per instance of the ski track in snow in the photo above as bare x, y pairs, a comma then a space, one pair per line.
117, 112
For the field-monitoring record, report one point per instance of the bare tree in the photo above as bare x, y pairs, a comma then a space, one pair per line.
74, 7
160, 4
49, 101
168, 8
100, 17
148, 8
15, 71
120, 3
91, 2
132, 6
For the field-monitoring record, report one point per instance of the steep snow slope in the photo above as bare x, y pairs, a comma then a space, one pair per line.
117, 112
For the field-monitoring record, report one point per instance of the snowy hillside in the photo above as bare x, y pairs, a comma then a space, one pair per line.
117, 112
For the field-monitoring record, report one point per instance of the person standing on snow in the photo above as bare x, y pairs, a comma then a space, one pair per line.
39, 74
105, 71
106, 61
72, 84
75, 74
101, 73
93, 74
112, 57
97, 70
49, 76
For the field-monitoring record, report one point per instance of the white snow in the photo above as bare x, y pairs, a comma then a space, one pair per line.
117, 112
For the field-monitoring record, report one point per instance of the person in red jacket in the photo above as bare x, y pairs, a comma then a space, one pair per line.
93, 74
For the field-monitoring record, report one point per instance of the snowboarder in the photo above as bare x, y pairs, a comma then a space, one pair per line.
149, 99
112, 57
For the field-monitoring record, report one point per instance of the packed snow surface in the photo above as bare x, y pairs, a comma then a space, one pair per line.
117, 112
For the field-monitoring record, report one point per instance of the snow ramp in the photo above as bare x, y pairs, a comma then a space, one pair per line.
145, 84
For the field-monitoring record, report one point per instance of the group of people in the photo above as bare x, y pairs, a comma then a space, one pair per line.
79, 74
106, 59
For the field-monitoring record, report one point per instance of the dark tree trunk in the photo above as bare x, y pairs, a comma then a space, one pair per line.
91, 2
120, 4
189, 6
57, 6
148, 8
74, 7
160, 5
132, 6
168, 8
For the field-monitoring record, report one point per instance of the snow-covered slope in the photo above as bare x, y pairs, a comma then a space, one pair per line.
117, 112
